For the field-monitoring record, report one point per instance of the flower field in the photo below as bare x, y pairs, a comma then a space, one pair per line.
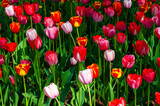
80, 52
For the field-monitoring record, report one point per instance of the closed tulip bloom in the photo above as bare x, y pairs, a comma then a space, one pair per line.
97, 38
52, 33
158, 62
148, 75
128, 61
14, 1
156, 20
36, 18
22, 69
25, 62
11, 78
97, 17
36, 7
141, 48
103, 44
157, 32
148, 23
127, 3
3, 41
133, 28
134, 80
73, 61
56, 16
89, 12
18, 10
109, 31
36, 43
31, 34
82, 41
48, 22
76, 21
22, 19
121, 38
95, 70
106, 3
109, 55
140, 16
97, 5
10, 47
117, 72
79, 53
85, 76
29, 8
9, 10
141, 2
15, 26
2, 59
109, 11
157, 96
51, 91
121, 26
85, 1
117, 6
51, 58
67, 27
117, 102
80, 11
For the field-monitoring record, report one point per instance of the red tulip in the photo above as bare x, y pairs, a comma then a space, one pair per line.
157, 32
3, 41
128, 61
158, 62
121, 26
5, 3
109, 31
11, 78
97, 17
141, 47
79, 53
148, 23
76, 21
134, 80
117, 7
106, 3
36, 6
36, 18
133, 28
97, 38
22, 19
89, 12
117, 102
80, 11
29, 8
157, 96
15, 26
156, 20
36, 43
103, 44
148, 75
109, 11
121, 38
56, 16
140, 16
18, 10
10, 47
95, 70
51, 58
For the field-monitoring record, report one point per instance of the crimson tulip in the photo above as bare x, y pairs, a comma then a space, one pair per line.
36, 18
121, 26
79, 53
117, 102
134, 80
2, 59
18, 10
148, 75
85, 1
3, 41
10, 47
140, 16
157, 32
89, 12
148, 23
106, 3
109, 31
157, 96
158, 62
11, 78
14, 1
51, 58
29, 8
36, 6
133, 28
0, 73
22, 19
121, 38
36, 43
80, 11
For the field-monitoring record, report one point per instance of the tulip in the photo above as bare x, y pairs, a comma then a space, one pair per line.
48, 22
85, 76
121, 26
117, 6
141, 48
140, 16
10, 47
82, 41
106, 3
128, 61
5, 3
9, 10
134, 80
141, 2
117, 72
156, 20
60, 25
79, 53
0, 73
89, 12
109, 55
36, 6
51, 91
97, 17
52, 33
133, 28
56, 16
121, 38
2, 59
36, 18
97, 5
67, 27
158, 62
14, 1
97, 38
109, 11
11, 78
51, 58
157, 96
31, 34
29, 8
25, 62
22, 19
80, 11
117, 102
15, 26
157, 32
76, 21
95, 70
154, 9
73, 61
103, 44
85, 1
18, 10
148, 75
127, 3
36, 43
109, 31
3, 41
148, 23
22, 69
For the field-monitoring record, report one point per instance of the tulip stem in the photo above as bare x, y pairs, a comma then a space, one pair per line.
58, 102
60, 42
44, 7
71, 7
140, 65
53, 71
99, 57
53, 45
25, 90
135, 98
1, 95
89, 95
77, 32
31, 21
73, 39
117, 88
94, 92
127, 87
49, 44
23, 41
110, 73
148, 93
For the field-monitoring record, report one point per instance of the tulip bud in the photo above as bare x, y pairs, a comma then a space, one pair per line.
36, 18
2, 59
73, 61
109, 55
85, 76
15, 26
67, 27
48, 22
128, 61
134, 80
31, 34
148, 75
103, 44
109, 31
11, 78
80, 11
51, 58
121, 38
157, 32
79, 53
97, 38
109, 11
9, 10
52, 33
3, 41
121, 26
22, 19
97, 17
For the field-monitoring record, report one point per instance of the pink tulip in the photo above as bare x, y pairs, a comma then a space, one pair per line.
157, 32
14, 1
3, 41
155, 9
2, 59
103, 44
67, 27
11, 78
109, 31
109, 55
97, 17
36, 18
25, 62
109, 11
127, 3
156, 20
73, 61
52, 33
89, 12
51, 58
117, 0
48, 22
128, 61
9, 10
31, 34
134, 80
85, 76
148, 23
22, 19
141, 2
97, 38
51, 91
85, 1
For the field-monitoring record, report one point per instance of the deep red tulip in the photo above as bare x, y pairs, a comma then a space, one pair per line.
36, 43
15, 26
5, 3
79, 53
51, 58
97, 38
10, 47
157, 96
36, 18
134, 80
121, 26
89, 12
103, 44
158, 62
148, 23
109, 11
109, 31
3, 41
106, 3
97, 17
121, 38
29, 8
157, 32
80, 11
18, 10
36, 6
22, 19
140, 16
133, 28
148, 75
128, 61
117, 102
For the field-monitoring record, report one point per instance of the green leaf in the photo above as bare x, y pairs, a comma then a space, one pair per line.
16, 99
111, 92
80, 96
6, 95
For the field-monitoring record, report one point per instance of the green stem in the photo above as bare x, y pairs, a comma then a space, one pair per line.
23, 41
99, 57
72, 39
140, 65
25, 90
58, 102
1, 95
44, 7
117, 88
53, 45
94, 92
71, 7
15, 38
60, 42
104, 70
110, 73
135, 99
148, 93
49, 44
127, 86
77, 32
126, 15
89, 95
31, 21
53, 71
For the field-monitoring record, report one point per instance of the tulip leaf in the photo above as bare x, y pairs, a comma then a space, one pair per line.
111, 92
48, 102
16, 99
6, 95
157, 53
73, 96
80, 96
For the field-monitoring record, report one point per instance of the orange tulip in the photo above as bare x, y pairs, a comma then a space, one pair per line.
97, 5
117, 72
22, 69
76, 21
56, 16
15, 26
95, 69
82, 41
